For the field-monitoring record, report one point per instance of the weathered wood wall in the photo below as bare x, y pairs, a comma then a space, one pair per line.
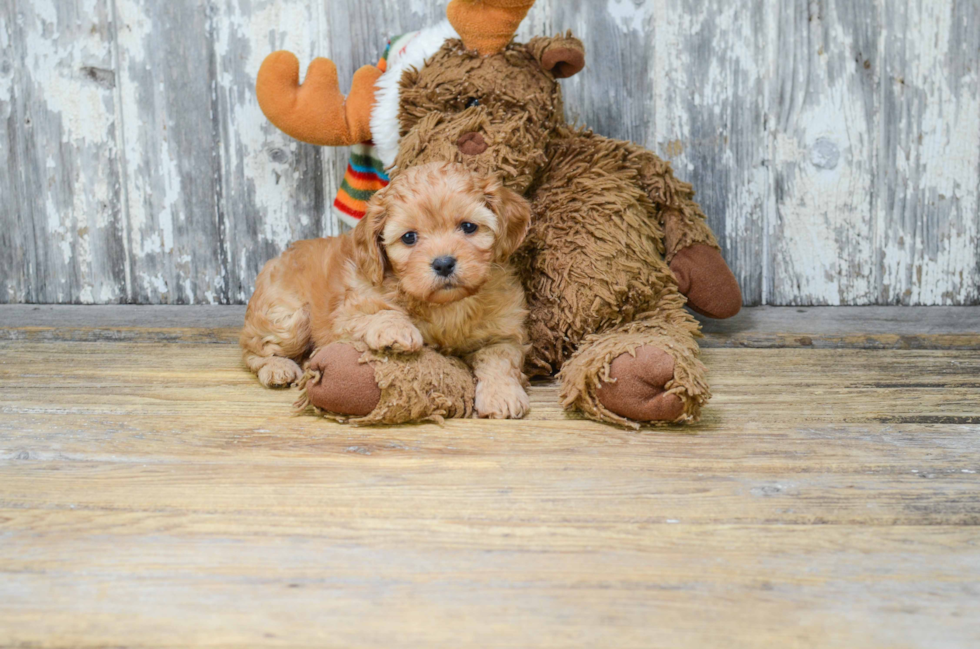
835, 143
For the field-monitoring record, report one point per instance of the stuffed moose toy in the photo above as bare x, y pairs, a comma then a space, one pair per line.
616, 248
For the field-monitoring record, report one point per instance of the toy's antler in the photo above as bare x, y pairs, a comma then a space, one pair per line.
316, 112
487, 25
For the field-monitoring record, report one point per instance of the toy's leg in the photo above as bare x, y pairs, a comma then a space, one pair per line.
349, 382
594, 253
646, 371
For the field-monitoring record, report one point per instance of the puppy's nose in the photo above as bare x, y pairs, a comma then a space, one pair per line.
444, 266
472, 144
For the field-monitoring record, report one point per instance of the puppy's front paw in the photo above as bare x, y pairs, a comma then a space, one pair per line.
279, 373
396, 336
501, 400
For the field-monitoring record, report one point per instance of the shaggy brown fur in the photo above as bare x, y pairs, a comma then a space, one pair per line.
518, 114
387, 287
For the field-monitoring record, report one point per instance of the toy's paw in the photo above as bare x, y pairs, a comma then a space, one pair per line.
501, 399
346, 386
707, 281
398, 335
279, 373
638, 389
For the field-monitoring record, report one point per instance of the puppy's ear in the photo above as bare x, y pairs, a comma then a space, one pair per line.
369, 250
513, 214
562, 56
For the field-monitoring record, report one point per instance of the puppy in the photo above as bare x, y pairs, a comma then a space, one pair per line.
426, 266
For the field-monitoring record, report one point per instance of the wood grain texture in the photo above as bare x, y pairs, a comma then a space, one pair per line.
824, 116
153, 495
835, 145
929, 167
710, 103
61, 221
274, 189
177, 248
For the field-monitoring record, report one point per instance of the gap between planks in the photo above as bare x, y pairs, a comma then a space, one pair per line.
924, 328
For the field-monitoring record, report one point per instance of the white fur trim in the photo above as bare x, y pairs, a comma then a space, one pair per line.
385, 129
345, 218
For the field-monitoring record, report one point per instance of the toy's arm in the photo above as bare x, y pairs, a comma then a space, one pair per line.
695, 259
691, 250
684, 223
316, 112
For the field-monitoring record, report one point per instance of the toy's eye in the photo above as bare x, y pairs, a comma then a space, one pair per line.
472, 102
469, 228
410, 238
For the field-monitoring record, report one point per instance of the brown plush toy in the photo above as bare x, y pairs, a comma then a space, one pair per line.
617, 246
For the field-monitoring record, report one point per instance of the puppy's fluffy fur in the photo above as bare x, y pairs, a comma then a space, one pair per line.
379, 284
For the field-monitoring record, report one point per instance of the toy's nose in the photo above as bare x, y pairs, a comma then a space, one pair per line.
472, 144
444, 266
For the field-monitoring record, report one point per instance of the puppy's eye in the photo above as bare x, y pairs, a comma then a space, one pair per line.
410, 238
472, 102
469, 228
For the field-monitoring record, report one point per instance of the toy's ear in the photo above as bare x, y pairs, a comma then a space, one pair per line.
369, 249
513, 213
562, 56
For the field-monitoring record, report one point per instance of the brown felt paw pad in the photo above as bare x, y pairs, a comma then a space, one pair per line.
704, 277
346, 386
637, 391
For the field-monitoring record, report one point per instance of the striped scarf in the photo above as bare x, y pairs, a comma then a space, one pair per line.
366, 172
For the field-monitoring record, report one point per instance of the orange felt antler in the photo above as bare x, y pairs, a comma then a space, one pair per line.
316, 112
487, 25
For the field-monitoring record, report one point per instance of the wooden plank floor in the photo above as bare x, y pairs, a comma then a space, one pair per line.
152, 494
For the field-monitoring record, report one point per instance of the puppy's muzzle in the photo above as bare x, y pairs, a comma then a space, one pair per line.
444, 266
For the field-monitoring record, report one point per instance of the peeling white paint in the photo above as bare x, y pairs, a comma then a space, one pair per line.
84, 106
823, 236
629, 15
539, 21
260, 163
108, 294
63, 136
158, 283
715, 106
171, 195
420, 7
6, 74
154, 185
929, 239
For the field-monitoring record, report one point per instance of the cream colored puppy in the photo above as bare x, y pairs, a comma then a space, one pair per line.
426, 266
